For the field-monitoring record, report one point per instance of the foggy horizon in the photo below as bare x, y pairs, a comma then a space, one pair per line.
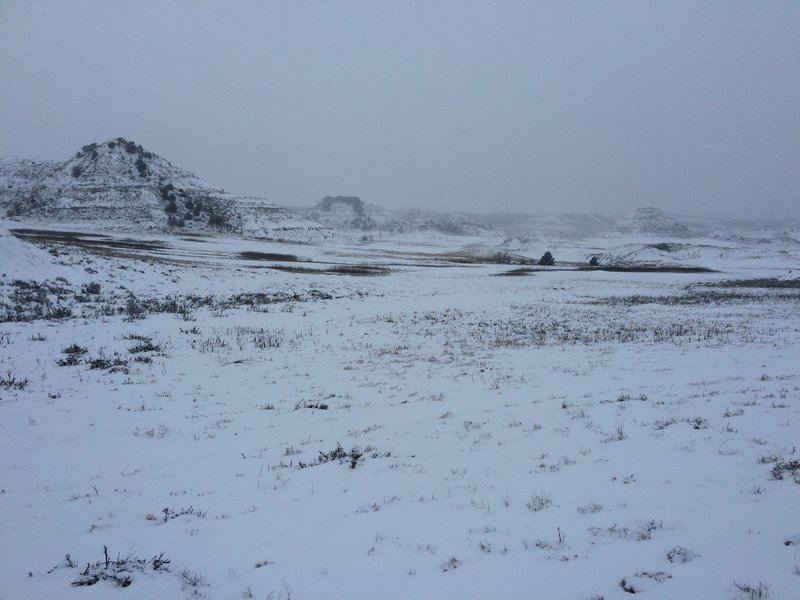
533, 107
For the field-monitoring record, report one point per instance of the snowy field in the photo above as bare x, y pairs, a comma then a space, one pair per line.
181, 419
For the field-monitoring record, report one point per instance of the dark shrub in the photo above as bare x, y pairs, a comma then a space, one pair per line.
217, 220
91, 288
141, 166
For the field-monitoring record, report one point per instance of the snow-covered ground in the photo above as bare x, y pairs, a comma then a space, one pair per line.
276, 428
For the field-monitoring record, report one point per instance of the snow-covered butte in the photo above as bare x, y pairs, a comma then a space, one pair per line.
121, 185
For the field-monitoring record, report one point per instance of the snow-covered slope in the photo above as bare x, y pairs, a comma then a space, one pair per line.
425, 430
21, 260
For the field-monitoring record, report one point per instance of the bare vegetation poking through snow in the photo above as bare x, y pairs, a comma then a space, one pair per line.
282, 422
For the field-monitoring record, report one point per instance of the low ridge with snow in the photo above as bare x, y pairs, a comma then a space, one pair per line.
119, 185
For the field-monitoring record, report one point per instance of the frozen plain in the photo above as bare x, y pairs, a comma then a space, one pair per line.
437, 431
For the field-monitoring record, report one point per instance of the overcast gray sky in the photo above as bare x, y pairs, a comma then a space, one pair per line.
692, 107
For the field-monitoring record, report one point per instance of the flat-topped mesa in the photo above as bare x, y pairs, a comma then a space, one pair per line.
354, 202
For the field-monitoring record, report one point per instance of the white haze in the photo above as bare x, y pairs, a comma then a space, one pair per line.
518, 106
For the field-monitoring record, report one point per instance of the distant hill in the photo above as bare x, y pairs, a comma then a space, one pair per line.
559, 226
122, 185
652, 221
350, 213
